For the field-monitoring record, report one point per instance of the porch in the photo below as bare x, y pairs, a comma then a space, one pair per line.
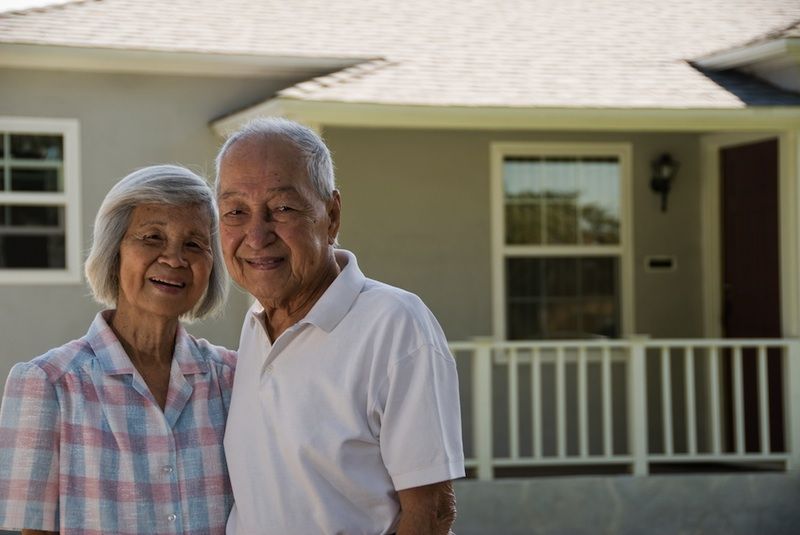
629, 406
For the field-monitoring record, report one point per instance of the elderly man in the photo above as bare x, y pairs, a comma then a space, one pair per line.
345, 415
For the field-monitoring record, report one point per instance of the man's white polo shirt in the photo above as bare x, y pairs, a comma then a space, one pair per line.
357, 400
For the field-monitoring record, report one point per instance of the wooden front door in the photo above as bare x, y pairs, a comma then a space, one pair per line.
751, 277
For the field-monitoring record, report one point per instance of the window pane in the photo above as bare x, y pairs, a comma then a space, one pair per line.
523, 183
37, 251
35, 216
561, 277
600, 316
2, 179
524, 223
524, 277
32, 237
562, 193
26, 179
562, 223
561, 200
567, 297
36, 147
600, 192
598, 276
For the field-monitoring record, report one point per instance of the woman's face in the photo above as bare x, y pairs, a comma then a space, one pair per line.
165, 260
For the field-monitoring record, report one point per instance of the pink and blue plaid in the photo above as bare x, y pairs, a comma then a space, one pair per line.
85, 448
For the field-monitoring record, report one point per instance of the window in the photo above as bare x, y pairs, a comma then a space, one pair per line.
39, 201
560, 240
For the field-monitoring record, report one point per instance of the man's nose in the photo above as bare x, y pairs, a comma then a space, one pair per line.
260, 233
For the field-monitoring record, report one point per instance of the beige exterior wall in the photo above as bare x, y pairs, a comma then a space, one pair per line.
417, 212
126, 122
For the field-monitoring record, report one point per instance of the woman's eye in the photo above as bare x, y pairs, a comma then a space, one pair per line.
151, 237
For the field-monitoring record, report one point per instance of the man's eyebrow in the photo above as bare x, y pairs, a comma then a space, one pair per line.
236, 193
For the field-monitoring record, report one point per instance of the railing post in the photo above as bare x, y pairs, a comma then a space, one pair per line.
482, 406
792, 393
637, 405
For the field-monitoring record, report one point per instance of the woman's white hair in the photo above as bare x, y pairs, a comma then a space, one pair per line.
157, 184
319, 165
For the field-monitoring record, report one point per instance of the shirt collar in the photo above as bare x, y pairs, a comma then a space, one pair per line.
115, 361
337, 300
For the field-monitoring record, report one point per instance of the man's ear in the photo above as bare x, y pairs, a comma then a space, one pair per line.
334, 216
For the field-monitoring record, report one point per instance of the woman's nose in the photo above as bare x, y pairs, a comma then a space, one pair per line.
172, 255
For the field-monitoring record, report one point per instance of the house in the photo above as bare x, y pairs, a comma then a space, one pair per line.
599, 200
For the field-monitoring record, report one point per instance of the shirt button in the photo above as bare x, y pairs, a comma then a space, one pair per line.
167, 469
172, 517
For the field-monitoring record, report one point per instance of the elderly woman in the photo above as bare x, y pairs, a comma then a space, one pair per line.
120, 432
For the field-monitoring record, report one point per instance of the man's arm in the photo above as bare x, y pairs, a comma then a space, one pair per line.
427, 510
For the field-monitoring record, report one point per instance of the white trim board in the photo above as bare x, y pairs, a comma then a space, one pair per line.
506, 118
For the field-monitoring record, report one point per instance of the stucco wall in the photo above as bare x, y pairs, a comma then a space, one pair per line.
126, 121
417, 211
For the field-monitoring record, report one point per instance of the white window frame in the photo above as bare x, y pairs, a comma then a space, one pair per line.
500, 250
70, 199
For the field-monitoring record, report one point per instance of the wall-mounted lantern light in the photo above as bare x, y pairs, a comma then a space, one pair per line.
664, 171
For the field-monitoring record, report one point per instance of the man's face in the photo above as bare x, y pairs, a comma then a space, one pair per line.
276, 231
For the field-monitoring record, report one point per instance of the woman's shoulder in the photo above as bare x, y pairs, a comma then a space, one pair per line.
55, 363
214, 354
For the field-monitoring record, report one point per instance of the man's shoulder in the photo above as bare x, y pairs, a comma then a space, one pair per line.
394, 312
391, 299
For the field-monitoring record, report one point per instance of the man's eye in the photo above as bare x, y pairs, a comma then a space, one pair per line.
233, 212
151, 237
283, 209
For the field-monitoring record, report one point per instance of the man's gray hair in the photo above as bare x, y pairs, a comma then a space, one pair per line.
319, 166
158, 184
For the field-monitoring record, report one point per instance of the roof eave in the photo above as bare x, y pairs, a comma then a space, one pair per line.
318, 114
76, 58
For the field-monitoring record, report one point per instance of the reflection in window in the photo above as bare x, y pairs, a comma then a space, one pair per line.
562, 297
36, 147
561, 201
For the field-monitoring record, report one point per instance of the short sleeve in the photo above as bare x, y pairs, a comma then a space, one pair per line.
29, 443
420, 434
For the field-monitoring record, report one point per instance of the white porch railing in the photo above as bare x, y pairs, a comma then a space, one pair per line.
633, 403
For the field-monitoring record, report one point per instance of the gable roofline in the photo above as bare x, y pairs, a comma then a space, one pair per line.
119, 60
786, 49
318, 114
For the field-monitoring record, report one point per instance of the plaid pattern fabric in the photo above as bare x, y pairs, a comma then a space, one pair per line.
85, 448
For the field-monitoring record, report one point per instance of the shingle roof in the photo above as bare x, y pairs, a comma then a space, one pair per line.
511, 53
792, 31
